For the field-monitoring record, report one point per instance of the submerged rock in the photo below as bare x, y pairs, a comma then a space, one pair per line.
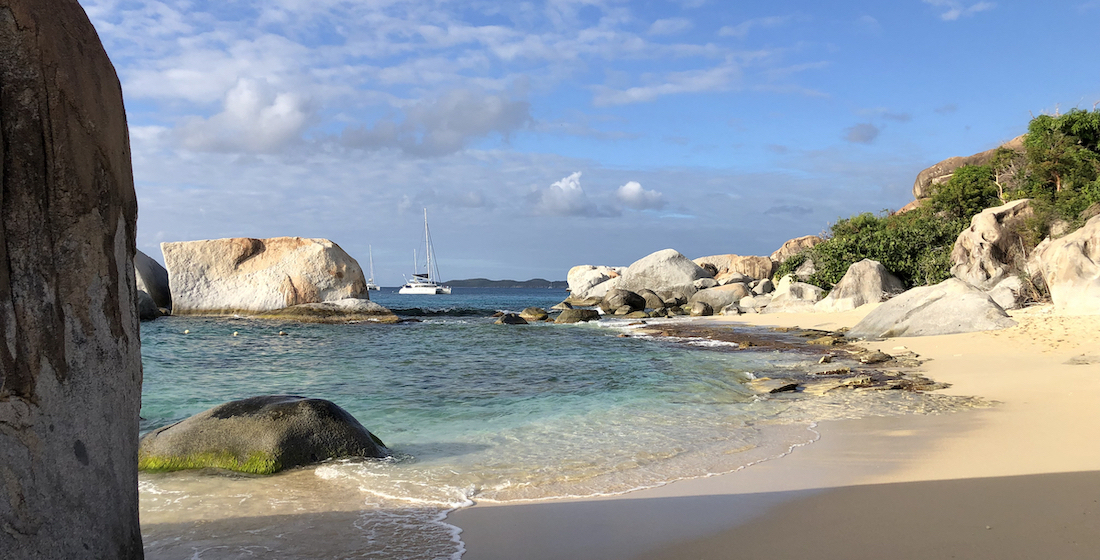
534, 314
348, 310
577, 315
511, 319
260, 435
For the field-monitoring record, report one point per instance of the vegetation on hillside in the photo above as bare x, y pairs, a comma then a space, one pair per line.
1059, 170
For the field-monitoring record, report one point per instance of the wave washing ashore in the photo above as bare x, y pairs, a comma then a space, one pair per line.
474, 412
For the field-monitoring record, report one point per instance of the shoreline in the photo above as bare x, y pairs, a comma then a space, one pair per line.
901, 487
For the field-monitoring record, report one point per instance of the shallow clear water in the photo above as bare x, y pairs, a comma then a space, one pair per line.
473, 411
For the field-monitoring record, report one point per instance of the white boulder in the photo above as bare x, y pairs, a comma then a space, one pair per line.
866, 281
983, 253
1070, 266
950, 307
665, 270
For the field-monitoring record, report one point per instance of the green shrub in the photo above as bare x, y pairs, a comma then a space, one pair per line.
970, 190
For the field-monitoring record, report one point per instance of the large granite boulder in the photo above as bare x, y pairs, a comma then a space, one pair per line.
152, 278
1070, 266
583, 278
70, 364
577, 316
983, 254
147, 308
347, 310
245, 275
661, 271
259, 435
720, 297
619, 298
751, 266
866, 281
942, 171
791, 296
950, 307
793, 247
652, 300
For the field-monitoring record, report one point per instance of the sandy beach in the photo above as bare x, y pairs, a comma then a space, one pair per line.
1020, 479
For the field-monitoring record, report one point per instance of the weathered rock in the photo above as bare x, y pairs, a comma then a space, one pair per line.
733, 278
793, 297
700, 309
663, 270
942, 171
866, 281
731, 309
1008, 293
619, 298
752, 266
534, 314
764, 286
805, 270
704, 283
794, 247
595, 293
70, 364
710, 268
152, 279
577, 316
260, 435
581, 302
1070, 266
623, 310
511, 319
652, 300
754, 303
562, 305
347, 310
637, 315
952, 306
721, 296
583, 278
673, 298
245, 275
146, 307
983, 254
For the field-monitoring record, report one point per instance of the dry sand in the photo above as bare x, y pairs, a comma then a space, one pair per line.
1019, 480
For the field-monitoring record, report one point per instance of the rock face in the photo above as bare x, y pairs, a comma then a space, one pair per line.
245, 275
751, 266
152, 279
70, 365
793, 247
348, 310
866, 281
942, 171
665, 270
1070, 266
260, 435
982, 255
950, 307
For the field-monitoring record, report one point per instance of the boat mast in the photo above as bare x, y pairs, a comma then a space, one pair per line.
370, 255
427, 246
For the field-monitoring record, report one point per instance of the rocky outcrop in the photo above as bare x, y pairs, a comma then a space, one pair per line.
70, 364
950, 307
984, 253
866, 281
260, 435
751, 266
347, 310
793, 297
793, 247
942, 171
245, 275
665, 270
1070, 266
152, 279
582, 279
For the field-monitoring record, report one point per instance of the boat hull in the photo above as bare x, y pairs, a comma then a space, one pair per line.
424, 289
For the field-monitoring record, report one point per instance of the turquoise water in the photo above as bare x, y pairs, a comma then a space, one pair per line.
473, 411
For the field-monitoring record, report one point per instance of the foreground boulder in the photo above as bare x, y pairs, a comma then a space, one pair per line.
245, 275
70, 365
259, 435
950, 307
983, 254
1070, 266
152, 279
866, 281
665, 270
348, 310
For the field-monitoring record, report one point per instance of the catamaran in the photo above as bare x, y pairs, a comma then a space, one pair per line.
425, 284
370, 281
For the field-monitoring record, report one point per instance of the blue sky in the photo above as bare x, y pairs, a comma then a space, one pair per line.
545, 134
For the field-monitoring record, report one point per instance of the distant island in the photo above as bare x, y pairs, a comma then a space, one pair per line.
486, 283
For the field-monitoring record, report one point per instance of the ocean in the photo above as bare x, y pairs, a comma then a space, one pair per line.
473, 412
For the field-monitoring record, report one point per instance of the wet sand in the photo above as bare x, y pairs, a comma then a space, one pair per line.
1019, 480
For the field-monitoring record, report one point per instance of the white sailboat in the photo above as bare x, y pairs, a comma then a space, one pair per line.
370, 281
425, 284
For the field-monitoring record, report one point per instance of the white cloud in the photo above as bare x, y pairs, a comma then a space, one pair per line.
255, 119
719, 78
954, 9
742, 29
634, 196
564, 198
670, 26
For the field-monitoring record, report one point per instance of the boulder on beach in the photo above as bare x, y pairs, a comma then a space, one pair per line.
70, 379
983, 253
793, 297
582, 279
245, 275
577, 316
950, 307
152, 278
652, 300
752, 266
259, 435
721, 296
663, 270
1070, 266
617, 299
866, 281
699, 309
347, 310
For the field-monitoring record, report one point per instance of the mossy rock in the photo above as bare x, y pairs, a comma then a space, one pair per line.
259, 435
